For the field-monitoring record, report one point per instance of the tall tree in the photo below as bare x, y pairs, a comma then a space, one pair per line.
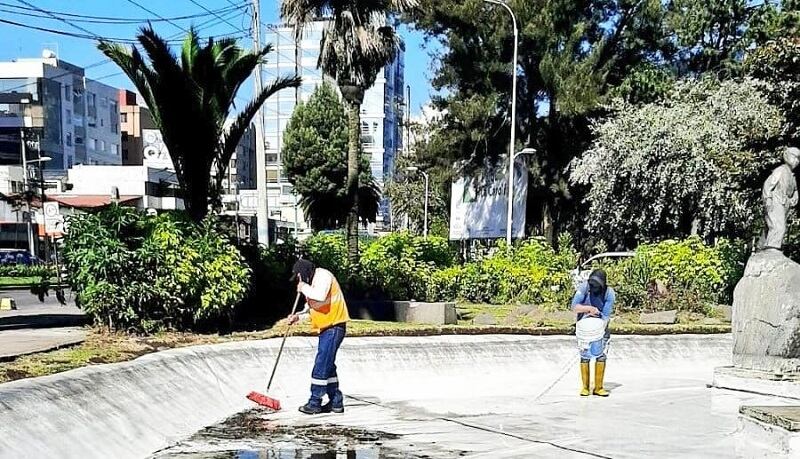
778, 63
190, 98
691, 164
356, 45
713, 35
572, 54
315, 146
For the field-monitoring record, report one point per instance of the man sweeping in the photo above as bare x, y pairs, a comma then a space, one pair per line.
328, 312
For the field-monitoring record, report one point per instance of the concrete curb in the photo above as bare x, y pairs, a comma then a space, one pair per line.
133, 409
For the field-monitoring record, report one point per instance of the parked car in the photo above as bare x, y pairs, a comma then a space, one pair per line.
18, 257
581, 273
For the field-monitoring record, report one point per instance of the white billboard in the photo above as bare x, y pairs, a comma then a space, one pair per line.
155, 151
478, 207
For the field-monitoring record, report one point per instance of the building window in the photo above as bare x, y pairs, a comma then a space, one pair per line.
69, 116
123, 117
115, 149
91, 99
91, 144
272, 176
101, 145
102, 122
69, 139
272, 158
114, 117
104, 102
68, 92
69, 162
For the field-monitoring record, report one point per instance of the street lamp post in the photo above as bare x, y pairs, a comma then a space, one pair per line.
525, 151
427, 192
513, 118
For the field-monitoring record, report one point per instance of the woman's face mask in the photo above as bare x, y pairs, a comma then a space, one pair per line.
596, 289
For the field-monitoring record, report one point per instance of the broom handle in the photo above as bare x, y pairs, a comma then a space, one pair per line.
280, 351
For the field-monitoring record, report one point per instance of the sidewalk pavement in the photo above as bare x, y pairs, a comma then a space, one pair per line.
14, 343
39, 326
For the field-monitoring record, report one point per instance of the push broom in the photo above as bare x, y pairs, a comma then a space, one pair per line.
261, 399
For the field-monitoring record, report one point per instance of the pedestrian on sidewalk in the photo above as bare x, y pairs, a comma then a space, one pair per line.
594, 299
327, 310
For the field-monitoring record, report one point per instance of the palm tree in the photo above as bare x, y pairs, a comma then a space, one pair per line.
190, 98
356, 45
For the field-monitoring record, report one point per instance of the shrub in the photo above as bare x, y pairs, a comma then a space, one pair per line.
329, 251
44, 271
691, 265
693, 273
531, 272
140, 273
444, 284
396, 266
270, 294
399, 265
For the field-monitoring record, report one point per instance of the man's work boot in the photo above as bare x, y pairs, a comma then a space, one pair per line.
330, 408
599, 374
308, 408
585, 379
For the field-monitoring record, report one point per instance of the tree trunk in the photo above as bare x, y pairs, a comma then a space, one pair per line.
195, 199
353, 159
548, 224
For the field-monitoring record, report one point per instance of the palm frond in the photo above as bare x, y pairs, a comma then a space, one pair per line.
240, 125
190, 49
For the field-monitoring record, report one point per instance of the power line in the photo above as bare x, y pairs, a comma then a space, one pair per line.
203, 25
128, 41
108, 19
134, 2
81, 28
209, 11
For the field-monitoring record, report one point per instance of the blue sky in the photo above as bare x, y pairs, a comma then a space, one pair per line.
25, 42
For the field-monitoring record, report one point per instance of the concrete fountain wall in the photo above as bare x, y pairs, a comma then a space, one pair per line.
133, 409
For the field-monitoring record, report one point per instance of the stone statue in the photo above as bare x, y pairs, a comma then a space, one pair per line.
779, 195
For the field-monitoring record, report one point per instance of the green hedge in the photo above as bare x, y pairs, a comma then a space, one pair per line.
686, 275
402, 267
27, 271
139, 273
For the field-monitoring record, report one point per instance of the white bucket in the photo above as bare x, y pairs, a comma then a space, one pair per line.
590, 330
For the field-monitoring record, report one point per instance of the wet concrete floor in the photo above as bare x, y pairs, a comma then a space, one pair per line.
252, 435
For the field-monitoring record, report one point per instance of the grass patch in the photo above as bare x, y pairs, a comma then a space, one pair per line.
19, 281
103, 347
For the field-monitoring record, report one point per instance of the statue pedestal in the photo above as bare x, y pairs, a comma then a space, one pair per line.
766, 329
768, 431
757, 382
766, 315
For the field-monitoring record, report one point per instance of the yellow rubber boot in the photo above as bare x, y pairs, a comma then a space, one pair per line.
585, 379
599, 374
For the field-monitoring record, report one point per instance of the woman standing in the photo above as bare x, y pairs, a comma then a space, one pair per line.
594, 299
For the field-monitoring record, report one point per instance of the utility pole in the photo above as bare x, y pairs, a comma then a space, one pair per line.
28, 217
44, 197
262, 214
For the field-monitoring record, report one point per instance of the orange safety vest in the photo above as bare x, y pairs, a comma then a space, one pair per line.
332, 311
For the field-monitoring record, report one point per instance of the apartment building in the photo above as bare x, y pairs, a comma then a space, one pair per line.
381, 115
133, 120
72, 119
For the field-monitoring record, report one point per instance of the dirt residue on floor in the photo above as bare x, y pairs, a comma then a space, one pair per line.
252, 434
